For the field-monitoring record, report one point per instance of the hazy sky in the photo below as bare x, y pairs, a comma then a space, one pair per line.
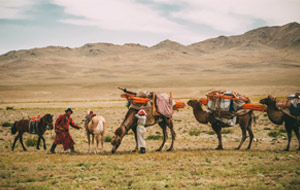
38, 23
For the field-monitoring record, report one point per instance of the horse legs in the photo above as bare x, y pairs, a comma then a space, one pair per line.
135, 137
16, 138
288, 128
217, 128
102, 139
21, 141
171, 125
93, 141
97, 143
44, 141
164, 128
38, 143
89, 141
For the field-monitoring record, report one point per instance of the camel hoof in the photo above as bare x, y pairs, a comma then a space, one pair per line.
287, 149
238, 148
158, 150
219, 148
169, 150
25, 150
134, 150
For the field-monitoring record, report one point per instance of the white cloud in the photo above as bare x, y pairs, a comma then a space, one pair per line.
118, 15
15, 9
236, 16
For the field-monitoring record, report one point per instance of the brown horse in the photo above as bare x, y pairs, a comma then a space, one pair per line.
22, 126
244, 120
277, 116
130, 122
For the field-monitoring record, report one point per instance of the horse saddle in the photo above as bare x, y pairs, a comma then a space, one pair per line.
33, 126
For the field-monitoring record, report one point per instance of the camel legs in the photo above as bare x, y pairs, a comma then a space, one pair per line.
251, 136
244, 136
217, 128
16, 138
296, 130
164, 128
135, 137
288, 128
171, 125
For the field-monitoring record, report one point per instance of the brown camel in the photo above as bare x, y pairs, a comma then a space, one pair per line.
130, 122
22, 126
245, 122
278, 117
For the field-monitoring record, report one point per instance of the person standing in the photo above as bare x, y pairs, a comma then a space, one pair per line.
62, 131
141, 130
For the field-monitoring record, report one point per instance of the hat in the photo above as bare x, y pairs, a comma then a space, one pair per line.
69, 109
142, 112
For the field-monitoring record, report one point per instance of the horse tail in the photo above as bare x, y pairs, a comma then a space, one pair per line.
13, 128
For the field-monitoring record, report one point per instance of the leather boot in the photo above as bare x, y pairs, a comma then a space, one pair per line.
142, 150
73, 150
52, 150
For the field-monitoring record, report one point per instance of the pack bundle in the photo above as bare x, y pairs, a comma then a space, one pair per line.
228, 102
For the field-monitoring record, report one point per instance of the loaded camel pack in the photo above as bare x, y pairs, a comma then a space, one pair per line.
159, 109
225, 109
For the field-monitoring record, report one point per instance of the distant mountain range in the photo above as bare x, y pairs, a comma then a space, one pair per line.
268, 55
277, 37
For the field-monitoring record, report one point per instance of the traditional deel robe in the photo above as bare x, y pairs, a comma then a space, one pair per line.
62, 131
141, 130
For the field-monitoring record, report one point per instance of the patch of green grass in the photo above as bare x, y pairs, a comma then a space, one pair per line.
31, 141
154, 137
274, 134
6, 124
226, 131
194, 133
211, 132
107, 139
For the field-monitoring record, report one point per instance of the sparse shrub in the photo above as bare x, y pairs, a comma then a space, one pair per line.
274, 133
107, 139
267, 128
211, 132
282, 131
9, 108
154, 137
31, 141
6, 124
194, 133
226, 131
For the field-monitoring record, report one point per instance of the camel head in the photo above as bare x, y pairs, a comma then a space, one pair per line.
268, 100
192, 102
116, 141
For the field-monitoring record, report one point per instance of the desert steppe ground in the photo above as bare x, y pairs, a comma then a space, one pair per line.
48, 80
